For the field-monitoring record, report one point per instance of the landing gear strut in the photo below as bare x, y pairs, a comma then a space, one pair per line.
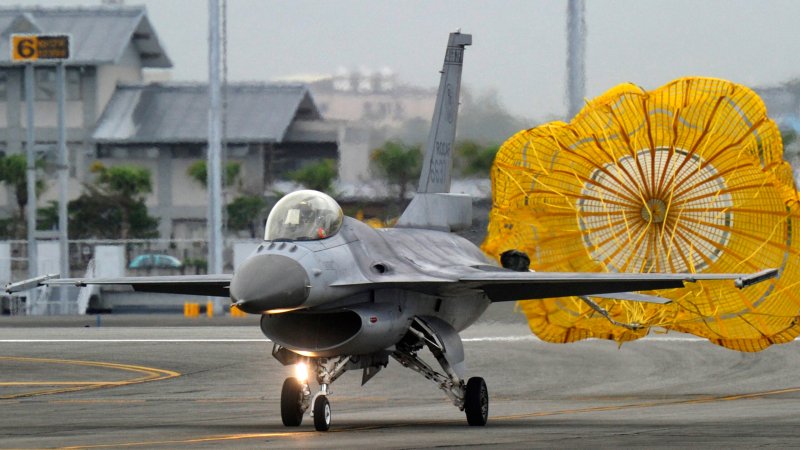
322, 413
441, 339
296, 395
471, 397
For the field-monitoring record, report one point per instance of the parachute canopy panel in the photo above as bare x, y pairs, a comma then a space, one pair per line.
689, 177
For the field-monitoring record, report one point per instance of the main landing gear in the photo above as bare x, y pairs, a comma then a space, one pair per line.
471, 396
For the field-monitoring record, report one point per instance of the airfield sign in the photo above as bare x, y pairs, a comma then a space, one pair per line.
28, 48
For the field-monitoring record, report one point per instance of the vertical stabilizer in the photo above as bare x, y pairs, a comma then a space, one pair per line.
433, 207
438, 162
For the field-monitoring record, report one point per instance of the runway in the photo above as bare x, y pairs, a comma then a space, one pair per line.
69, 385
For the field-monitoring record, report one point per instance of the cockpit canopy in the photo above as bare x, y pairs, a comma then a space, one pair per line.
304, 216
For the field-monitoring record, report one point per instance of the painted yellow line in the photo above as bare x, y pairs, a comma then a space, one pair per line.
96, 401
234, 437
653, 404
146, 374
230, 437
59, 383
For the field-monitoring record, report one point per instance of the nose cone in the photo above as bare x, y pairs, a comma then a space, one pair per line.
268, 282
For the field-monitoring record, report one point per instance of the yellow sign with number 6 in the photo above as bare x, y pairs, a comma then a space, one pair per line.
32, 47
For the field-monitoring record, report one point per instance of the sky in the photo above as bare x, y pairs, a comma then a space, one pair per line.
519, 46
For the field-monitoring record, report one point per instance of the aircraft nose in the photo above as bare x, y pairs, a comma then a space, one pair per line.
269, 282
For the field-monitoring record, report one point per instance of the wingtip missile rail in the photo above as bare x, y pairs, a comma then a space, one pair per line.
28, 284
758, 277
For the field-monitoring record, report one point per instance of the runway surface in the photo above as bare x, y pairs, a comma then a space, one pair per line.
67, 383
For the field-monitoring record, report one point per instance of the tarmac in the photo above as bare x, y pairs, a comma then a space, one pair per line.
155, 381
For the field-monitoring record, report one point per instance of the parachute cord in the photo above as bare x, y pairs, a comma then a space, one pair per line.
603, 312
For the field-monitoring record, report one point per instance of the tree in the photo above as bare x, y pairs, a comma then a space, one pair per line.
97, 217
474, 158
244, 212
318, 176
100, 211
198, 171
399, 164
119, 193
13, 173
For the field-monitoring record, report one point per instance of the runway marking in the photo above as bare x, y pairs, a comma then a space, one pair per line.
147, 374
708, 399
222, 438
311, 433
107, 341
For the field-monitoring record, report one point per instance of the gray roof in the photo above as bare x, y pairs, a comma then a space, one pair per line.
178, 113
97, 35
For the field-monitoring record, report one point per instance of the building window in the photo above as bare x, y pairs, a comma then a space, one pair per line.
45, 84
73, 82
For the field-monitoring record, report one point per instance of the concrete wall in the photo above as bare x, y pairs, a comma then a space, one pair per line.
353, 154
127, 70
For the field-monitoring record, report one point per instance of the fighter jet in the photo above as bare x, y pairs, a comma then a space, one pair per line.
336, 295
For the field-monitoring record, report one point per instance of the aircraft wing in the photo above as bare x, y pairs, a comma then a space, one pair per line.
211, 285
502, 286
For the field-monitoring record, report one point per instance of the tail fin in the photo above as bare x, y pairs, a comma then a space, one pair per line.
438, 162
433, 206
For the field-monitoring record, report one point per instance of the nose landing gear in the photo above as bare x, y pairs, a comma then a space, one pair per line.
296, 395
322, 413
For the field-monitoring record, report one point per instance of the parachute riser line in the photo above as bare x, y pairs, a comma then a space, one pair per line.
603, 312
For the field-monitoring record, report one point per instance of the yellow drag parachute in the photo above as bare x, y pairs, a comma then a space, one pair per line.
687, 178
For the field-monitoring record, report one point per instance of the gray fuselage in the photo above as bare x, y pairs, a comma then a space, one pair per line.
362, 287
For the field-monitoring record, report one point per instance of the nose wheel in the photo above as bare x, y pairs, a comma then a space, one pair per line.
322, 413
296, 395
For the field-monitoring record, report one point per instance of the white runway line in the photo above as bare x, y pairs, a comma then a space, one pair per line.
50, 341
181, 341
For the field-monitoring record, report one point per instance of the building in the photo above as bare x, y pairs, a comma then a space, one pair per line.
109, 46
114, 116
270, 129
372, 99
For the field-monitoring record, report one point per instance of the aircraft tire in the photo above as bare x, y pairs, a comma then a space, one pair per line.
291, 402
476, 402
322, 413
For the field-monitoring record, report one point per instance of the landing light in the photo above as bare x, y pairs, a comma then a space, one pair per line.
301, 372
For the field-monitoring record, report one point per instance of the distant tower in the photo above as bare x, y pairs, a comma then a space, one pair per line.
576, 55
